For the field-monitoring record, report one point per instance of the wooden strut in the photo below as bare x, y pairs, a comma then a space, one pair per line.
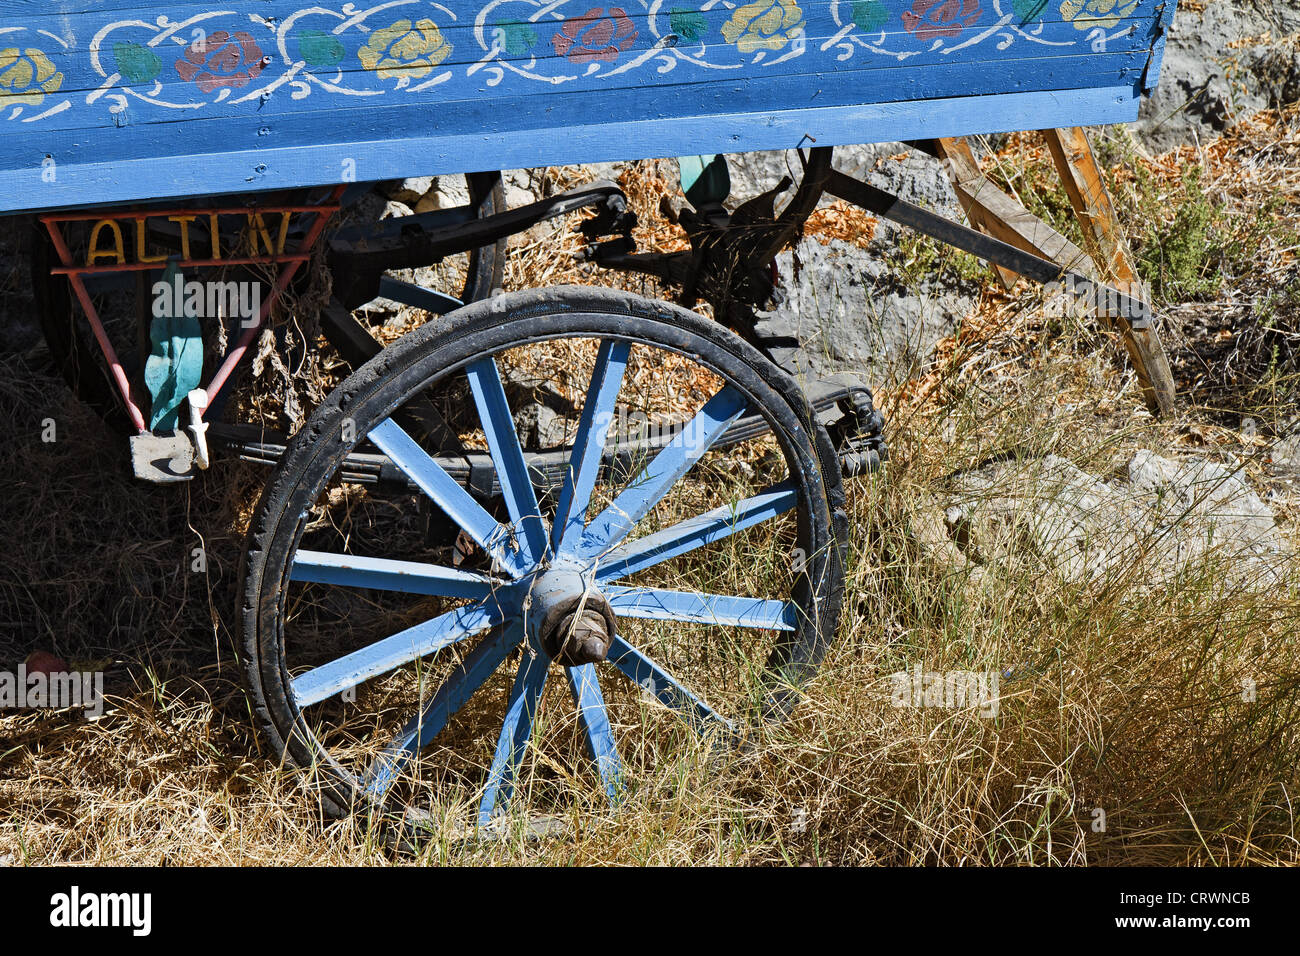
1106, 260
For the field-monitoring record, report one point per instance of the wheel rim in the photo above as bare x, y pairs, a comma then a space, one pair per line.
610, 536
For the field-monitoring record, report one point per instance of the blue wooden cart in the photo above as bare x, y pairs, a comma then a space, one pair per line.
422, 550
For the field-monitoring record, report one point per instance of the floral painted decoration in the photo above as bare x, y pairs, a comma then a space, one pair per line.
1088, 14
932, 19
27, 76
136, 63
221, 60
596, 36
190, 57
763, 25
405, 50
320, 49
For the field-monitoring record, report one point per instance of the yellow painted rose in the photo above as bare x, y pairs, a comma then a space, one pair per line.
403, 50
1088, 14
763, 25
26, 76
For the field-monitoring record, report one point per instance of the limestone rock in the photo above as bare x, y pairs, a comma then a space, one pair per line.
851, 314
1156, 517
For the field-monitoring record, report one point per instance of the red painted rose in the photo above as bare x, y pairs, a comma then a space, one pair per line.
595, 36
221, 59
940, 18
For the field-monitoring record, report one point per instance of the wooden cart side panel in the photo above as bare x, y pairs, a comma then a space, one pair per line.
190, 97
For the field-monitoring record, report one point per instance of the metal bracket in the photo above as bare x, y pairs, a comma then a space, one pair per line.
359, 255
162, 459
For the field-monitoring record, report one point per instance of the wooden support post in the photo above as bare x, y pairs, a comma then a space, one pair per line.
1107, 260
963, 172
1079, 172
995, 213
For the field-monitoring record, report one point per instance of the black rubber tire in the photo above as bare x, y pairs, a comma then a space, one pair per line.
375, 390
487, 264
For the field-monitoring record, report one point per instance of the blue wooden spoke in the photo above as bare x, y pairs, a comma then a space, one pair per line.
385, 574
696, 532
382, 656
589, 446
646, 490
508, 457
661, 605
434, 481
585, 686
521, 708
478, 665
653, 679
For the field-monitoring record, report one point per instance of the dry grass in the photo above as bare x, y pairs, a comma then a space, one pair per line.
1117, 698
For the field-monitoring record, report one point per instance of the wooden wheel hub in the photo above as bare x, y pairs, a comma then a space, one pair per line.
571, 621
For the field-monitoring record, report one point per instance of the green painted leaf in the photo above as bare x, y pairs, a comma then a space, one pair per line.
871, 15
1027, 10
687, 24
517, 38
136, 63
175, 362
318, 48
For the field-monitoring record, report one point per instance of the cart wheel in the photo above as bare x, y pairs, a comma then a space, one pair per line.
400, 675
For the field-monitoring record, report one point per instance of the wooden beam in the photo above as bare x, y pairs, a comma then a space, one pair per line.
1082, 178
995, 213
960, 165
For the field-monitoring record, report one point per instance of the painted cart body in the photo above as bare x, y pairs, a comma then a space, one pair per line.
116, 101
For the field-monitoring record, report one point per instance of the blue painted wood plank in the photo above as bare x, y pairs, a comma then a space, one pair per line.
788, 86
317, 45
385, 655
133, 101
97, 181
361, 132
275, 69
658, 604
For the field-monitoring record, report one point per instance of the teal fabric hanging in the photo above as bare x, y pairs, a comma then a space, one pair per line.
175, 363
